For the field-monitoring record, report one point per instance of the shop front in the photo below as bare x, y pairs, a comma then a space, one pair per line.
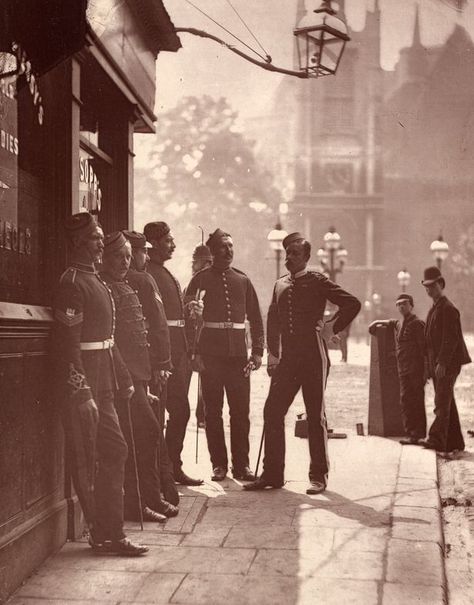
76, 81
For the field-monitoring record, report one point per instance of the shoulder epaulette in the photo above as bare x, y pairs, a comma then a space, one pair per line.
69, 276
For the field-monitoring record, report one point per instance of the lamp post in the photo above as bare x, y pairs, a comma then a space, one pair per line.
321, 38
275, 239
332, 255
440, 250
403, 279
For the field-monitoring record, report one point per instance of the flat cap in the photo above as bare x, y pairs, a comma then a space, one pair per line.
291, 238
404, 297
214, 238
156, 230
202, 252
80, 224
136, 239
114, 241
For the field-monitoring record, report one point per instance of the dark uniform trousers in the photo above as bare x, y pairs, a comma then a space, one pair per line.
445, 432
307, 369
175, 394
219, 374
146, 438
412, 402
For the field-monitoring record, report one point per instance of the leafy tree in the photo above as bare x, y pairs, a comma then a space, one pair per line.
201, 170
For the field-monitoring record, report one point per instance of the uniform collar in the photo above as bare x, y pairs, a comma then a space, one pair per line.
299, 274
84, 267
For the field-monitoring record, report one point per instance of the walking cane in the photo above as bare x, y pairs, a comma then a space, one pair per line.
135, 465
260, 451
198, 298
197, 421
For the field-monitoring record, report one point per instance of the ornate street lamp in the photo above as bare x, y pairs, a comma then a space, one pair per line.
275, 239
321, 38
403, 279
332, 255
321, 41
440, 250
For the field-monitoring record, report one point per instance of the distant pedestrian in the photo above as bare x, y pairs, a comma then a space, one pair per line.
410, 352
298, 358
229, 300
176, 391
447, 353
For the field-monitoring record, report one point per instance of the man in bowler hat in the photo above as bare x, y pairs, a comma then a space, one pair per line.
175, 393
90, 373
447, 353
298, 358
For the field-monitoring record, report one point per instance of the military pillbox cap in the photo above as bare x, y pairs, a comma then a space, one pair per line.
202, 252
404, 297
114, 241
431, 275
80, 223
215, 238
292, 238
156, 230
136, 239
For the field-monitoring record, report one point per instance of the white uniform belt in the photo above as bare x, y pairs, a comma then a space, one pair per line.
175, 323
96, 346
223, 325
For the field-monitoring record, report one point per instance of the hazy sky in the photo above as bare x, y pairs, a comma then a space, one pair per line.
202, 66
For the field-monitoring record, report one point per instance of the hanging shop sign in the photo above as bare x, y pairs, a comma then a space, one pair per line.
9, 148
90, 193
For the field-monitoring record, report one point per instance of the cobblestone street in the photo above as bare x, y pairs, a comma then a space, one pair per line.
375, 537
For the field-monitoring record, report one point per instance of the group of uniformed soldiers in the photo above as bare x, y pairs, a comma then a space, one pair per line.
121, 356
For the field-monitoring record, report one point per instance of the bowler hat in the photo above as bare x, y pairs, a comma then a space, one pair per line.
431, 275
404, 297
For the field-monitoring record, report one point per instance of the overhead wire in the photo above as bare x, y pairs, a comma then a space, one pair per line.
248, 28
200, 10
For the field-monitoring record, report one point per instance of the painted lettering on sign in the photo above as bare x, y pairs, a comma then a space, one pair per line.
90, 193
24, 68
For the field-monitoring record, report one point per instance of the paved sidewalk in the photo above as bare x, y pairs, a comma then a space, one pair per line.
373, 538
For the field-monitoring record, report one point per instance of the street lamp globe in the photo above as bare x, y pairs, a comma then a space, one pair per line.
341, 255
321, 38
403, 279
440, 249
332, 239
323, 256
276, 237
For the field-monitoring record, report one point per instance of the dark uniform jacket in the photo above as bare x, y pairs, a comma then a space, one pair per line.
444, 339
153, 310
130, 330
172, 297
230, 297
84, 313
297, 309
409, 345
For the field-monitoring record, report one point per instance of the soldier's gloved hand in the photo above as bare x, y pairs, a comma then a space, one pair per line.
197, 364
196, 308
126, 393
89, 412
254, 363
161, 376
272, 364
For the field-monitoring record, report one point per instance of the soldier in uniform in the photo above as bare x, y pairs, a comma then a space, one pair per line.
297, 358
89, 371
410, 352
202, 258
176, 392
229, 300
140, 426
159, 349
446, 353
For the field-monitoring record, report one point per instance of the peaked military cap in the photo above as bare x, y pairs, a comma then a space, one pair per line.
292, 238
114, 241
156, 230
80, 224
431, 275
214, 238
202, 252
404, 297
136, 239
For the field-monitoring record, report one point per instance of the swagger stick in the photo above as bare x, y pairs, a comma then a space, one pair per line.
135, 465
199, 296
260, 451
